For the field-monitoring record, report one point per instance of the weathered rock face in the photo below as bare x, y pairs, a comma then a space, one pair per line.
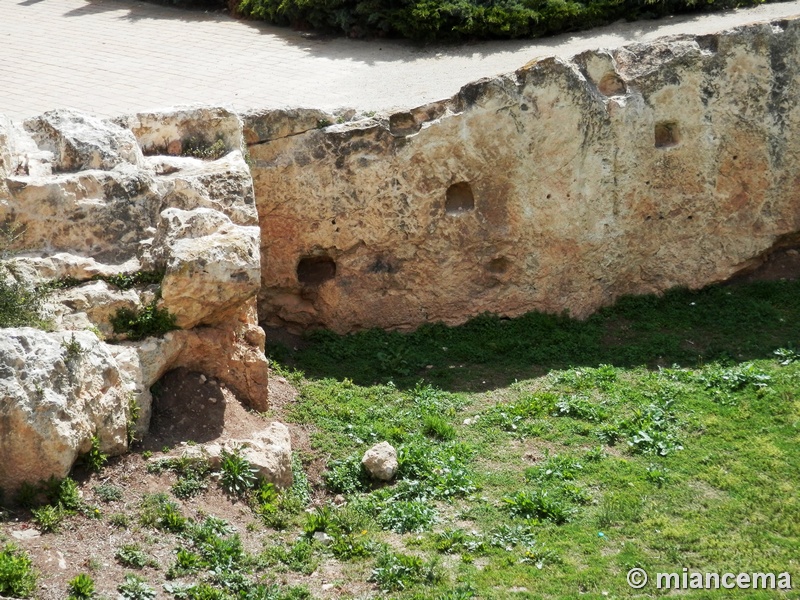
80, 141
59, 390
94, 209
560, 187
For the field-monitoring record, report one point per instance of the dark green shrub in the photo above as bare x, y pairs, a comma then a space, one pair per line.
149, 321
20, 305
463, 19
238, 475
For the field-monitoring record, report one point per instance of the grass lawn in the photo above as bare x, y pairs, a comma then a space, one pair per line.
539, 457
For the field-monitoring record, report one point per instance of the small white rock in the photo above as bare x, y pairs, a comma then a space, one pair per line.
25, 534
322, 537
380, 461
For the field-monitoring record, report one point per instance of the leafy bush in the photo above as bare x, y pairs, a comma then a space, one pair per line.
198, 148
131, 555
107, 492
17, 577
158, 511
63, 493
394, 572
451, 541
95, 459
48, 518
188, 487
402, 516
437, 427
238, 475
148, 321
81, 588
539, 505
462, 19
20, 305
508, 537
346, 476
298, 558
557, 467
136, 588
580, 407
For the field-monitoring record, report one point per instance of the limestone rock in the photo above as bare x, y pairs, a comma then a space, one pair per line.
560, 187
109, 212
380, 461
224, 185
265, 125
212, 266
81, 142
224, 351
173, 131
98, 301
58, 392
269, 452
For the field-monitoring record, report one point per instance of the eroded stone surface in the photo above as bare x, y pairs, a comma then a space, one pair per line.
115, 213
59, 390
80, 142
619, 172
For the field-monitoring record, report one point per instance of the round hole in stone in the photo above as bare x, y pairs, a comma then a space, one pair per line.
666, 134
611, 84
498, 265
313, 271
459, 198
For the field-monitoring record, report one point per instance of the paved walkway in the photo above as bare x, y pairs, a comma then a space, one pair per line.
115, 56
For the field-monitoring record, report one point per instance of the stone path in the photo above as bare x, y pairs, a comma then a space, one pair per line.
115, 56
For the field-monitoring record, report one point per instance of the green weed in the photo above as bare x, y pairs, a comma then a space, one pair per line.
394, 571
108, 492
134, 587
238, 475
17, 575
48, 518
95, 459
157, 510
131, 555
145, 322
541, 505
81, 587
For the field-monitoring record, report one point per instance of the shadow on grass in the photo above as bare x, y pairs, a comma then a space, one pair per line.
688, 328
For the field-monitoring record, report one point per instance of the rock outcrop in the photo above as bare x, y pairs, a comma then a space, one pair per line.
560, 187
117, 230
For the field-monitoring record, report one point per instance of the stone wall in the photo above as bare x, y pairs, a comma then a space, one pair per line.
557, 188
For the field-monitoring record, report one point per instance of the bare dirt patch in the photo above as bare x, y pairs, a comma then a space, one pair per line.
189, 408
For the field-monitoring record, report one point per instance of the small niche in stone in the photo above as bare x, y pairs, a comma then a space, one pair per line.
313, 271
611, 84
498, 265
666, 134
459, 198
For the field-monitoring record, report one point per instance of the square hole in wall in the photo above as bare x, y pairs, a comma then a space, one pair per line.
666, 134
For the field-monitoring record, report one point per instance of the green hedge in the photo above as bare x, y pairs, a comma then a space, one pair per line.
466, 19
